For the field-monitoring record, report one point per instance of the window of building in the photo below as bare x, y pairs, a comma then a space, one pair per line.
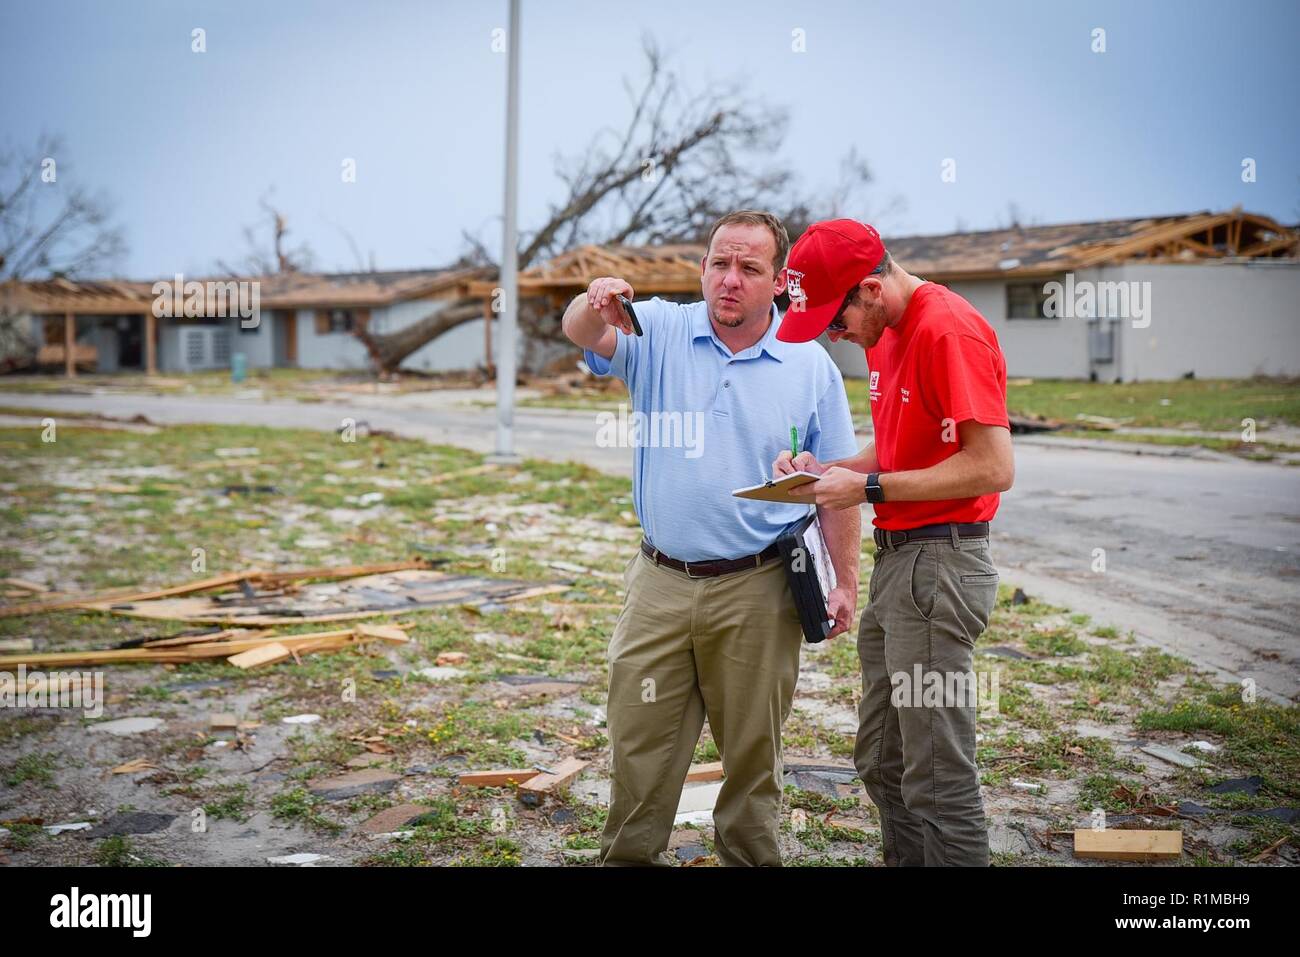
1025, 300
340, 320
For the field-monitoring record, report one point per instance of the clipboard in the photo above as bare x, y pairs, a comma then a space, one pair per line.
778, 490
810, 574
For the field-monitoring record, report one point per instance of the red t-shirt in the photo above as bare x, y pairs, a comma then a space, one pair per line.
940, 366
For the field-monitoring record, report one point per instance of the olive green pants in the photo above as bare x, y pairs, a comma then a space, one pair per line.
915, 751
683, 649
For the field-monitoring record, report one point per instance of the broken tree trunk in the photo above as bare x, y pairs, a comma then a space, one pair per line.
388, 351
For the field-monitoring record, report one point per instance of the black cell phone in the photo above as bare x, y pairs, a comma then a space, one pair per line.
631, 313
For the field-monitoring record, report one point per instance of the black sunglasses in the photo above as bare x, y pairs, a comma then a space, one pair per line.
837, 324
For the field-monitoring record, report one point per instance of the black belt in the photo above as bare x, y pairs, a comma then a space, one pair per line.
946, 532
712, 568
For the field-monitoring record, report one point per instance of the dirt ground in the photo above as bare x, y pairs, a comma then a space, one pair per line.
372, 779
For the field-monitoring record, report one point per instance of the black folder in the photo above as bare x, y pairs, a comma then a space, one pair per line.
808, 569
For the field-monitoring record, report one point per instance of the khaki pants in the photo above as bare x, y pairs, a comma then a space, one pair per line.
683, 648
929, 602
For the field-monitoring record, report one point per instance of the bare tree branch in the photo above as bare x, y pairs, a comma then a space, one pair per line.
681, 162
261, 261
50, 227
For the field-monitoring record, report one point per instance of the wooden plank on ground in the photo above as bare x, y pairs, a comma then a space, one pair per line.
533, 791
389, 633
182, 640
267, 654
342, 571
203, 584
496, 779
1126, 845
705, 772
58, 604
183, 653
534, 592
26, 585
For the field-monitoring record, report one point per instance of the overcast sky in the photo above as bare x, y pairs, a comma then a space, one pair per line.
185, 143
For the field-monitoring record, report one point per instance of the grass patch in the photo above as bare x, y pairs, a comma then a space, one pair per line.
1260, 737
117, 851
38, 768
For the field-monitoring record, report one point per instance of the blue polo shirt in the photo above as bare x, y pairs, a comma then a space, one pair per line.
704, 420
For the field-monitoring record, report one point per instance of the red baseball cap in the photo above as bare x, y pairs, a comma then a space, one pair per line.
828, 260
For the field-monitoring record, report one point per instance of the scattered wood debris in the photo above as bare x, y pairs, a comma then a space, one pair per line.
497, 779
131, 767
533, 791
259, 597
230, 648
1128, 845
705, 772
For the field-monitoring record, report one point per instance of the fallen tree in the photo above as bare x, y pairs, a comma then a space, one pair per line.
681, 161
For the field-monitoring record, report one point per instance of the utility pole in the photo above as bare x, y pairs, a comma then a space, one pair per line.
508, 339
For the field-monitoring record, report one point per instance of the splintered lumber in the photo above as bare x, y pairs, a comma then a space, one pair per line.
497, 779
57, 604
534, 790
535, 592
176, 655
1128, 845
203, 584
122, 596
389, 633
211, 636
267, 654
24, 584
705, 772
341, 571
220, 649
104, 601
131, 767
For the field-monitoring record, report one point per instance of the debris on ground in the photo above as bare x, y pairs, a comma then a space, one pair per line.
1112, 844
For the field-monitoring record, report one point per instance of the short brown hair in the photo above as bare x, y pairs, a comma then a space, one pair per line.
756, 217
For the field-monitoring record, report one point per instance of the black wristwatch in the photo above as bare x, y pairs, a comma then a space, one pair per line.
874, 492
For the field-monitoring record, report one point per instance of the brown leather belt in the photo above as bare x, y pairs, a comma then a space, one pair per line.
712, 568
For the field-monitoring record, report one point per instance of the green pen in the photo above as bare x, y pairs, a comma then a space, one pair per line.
794, 441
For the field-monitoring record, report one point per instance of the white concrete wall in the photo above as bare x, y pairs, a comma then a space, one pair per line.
1048, 348
1043, 348
334, 350
256, 343
1217, 320
457, 349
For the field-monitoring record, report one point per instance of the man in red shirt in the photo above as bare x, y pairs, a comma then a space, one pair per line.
941, 456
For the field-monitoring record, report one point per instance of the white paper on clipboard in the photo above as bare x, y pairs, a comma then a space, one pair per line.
820, 556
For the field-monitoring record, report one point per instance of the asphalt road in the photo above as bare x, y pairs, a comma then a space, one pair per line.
1202, 558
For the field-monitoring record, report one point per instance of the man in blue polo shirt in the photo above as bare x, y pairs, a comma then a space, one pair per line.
709, 627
